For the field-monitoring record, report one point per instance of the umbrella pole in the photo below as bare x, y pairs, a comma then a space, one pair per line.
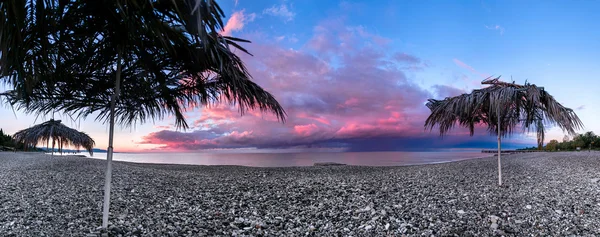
109, 155
51, 136
499, 149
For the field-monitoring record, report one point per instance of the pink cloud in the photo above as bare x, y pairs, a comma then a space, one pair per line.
388, 121
305, 130
236, 137
237, 21
389, 127
466, 66
338, 90
315, 118
215, 114
351, 102
463, 65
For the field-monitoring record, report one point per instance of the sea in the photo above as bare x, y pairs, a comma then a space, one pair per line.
296, 159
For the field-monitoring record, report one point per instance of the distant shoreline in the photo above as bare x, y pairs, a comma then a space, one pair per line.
296, 159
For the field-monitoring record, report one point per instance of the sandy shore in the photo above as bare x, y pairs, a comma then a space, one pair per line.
554, 194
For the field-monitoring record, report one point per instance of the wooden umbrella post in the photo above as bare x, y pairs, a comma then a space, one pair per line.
499, 152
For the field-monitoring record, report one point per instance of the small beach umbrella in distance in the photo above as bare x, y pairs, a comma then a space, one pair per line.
502, 107
126, 61
60, 134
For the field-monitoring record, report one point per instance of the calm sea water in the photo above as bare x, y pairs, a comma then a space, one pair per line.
296, 159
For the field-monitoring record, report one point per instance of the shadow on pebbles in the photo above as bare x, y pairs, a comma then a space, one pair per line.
554, 194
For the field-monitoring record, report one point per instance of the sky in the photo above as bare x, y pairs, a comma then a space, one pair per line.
355, 75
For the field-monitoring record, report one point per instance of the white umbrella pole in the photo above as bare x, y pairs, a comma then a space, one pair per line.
499, 149
109, 155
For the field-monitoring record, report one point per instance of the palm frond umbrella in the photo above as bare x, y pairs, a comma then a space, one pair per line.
59, 133
127, 61
502, 107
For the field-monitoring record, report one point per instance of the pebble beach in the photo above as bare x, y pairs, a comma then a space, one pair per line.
544, 194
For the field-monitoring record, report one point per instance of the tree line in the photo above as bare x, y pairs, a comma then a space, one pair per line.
9, 144
6, 141
584, 141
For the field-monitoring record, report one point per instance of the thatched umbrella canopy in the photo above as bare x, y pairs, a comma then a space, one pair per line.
126, 61
502, 107
60, 134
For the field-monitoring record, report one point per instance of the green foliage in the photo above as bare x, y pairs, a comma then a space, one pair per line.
528, 148
585, 141
5, 139
552, 145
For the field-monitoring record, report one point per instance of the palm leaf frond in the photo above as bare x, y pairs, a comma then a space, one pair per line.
527, 106
174, 59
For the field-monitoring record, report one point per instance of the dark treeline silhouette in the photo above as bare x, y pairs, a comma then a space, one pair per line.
7, 143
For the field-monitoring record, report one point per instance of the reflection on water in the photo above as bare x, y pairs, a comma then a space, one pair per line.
296, 159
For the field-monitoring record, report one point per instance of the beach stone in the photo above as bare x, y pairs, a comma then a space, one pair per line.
175, 200
558, 211
116, 230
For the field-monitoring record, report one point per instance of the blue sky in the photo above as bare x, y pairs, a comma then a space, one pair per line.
413, 50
